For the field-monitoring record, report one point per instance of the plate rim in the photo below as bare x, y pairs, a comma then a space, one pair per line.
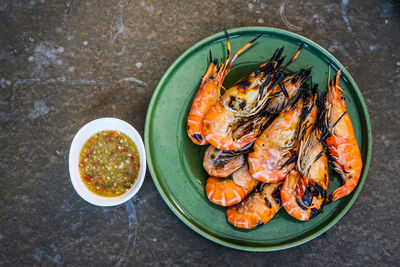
180, 215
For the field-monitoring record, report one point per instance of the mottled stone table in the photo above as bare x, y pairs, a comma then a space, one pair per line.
64, 63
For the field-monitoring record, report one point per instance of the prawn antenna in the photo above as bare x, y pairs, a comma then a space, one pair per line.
255, 39
321, 121
306, 75
228, 44
278, 81
283, 89
294, 57
292, 159
341, 116
277, 54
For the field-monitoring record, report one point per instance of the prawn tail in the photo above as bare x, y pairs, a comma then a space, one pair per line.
350, 182
224, 191
342, 191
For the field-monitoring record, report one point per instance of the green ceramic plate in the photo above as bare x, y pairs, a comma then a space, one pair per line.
175, 162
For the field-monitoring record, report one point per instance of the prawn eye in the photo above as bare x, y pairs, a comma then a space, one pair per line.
236, 103
232, 100
243, 104
197, 137
300, 205
267, 203
259, 223
277, 194
307, 197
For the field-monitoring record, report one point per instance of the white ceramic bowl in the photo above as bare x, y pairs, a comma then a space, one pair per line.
80, 139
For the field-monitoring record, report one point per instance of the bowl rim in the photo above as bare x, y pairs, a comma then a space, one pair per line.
234, 32
80, 138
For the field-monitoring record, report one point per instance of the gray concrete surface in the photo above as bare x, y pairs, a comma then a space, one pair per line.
64, 63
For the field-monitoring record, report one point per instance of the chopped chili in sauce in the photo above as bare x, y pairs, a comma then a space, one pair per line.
109, 163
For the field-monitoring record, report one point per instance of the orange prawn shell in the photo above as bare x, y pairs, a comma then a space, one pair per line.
216, 136
226, 191
347, 155
312, 167
268, 148
269, 157
227, 169
207, 95
342, 143
253, 211
209, 92
288, 200
219, 119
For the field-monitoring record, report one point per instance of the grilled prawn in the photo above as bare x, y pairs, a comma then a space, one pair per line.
303, 192
275, 149
260, 207
236, 120
209, 93
342, 143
